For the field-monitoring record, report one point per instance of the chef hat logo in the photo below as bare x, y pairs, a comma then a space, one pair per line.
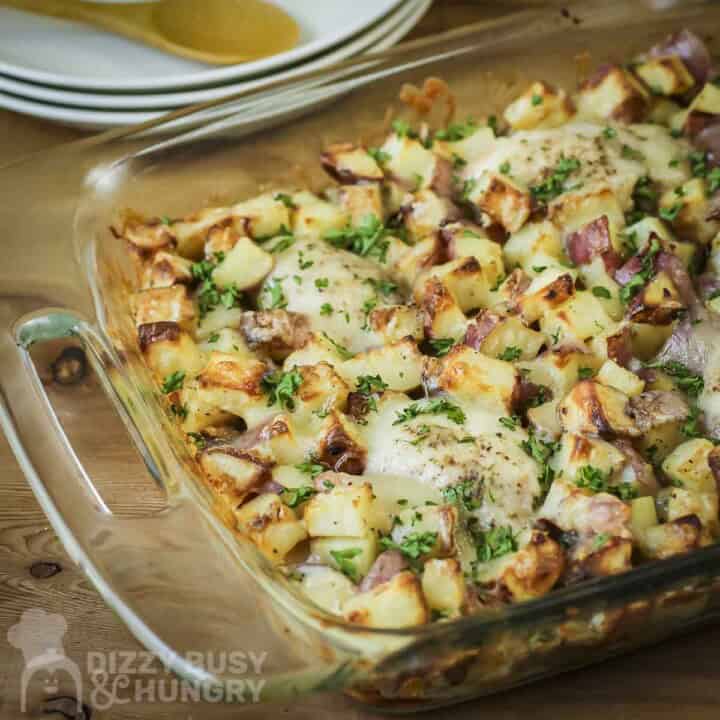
38, 635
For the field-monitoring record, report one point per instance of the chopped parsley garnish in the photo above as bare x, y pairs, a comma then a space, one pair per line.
505, 168
326, 309
343, 559
214, 337
536, 100
282, 242
198, 439
277, 296
383, 287
541, 451
321, 283
403, 129
165, 220
173, 382
600, 541
303, 263
209, 296
343, 352
554, 185
441, 346
457, 131
539, 268
369, 384
286, 200
467, 188
492, 123
511, 423
670, 213
413, 545
494, 543
438, 406
458, 162
366, 239
540, 397
682, 376
691, 427
180, 411
510, 353
591, 478
601, 292
378, 155
630, 153
311, 467
638, 280
280, 387
293, 497
462, 494
609, 133
585, 373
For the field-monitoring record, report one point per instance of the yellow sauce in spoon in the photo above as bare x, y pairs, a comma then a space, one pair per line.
248, 28
213, 31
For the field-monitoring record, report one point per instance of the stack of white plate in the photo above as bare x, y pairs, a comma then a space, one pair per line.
87, 78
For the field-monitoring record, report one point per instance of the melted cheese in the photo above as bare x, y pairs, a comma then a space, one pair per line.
333, 288
604, 161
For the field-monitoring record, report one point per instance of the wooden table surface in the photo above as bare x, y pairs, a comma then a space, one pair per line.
680, 679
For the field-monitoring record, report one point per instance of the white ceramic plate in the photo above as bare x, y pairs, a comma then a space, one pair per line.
34, 48
165, 101
99, 120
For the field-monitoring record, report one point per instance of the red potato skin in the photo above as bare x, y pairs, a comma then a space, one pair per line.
150, 333
593, 240
480, 328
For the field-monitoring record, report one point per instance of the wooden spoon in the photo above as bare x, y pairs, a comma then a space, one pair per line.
221, 32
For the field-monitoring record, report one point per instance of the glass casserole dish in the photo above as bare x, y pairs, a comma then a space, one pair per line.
67, 276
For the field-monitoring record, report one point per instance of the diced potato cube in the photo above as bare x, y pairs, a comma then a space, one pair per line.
506, 202
228, 341
468, 374
621, 379
407, 262
217, 319
392, 323
426, 213
658, 303
165, 269
540, 106
666, 75
581, 318
351, 556
471, 148
164, 304
397, 603
701, 112
578, 451
410, 161
688, 465
271, 525
591, 408
558, 369
167, 349
536, 245
612, 92
493, 334
688, 206
359, 201
544, 420
340, 512
443, 316
443, 585
439, 520
233, 474
326, 587
671, 538
648, 339
643, 515
314, 217
400, 365
550, 289
350, 164
245, 266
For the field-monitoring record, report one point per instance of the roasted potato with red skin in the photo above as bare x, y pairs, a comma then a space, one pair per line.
350, 164
612, 92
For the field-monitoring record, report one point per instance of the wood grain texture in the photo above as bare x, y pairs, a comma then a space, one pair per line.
678, 679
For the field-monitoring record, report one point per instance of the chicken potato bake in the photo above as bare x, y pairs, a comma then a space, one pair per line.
480, 365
